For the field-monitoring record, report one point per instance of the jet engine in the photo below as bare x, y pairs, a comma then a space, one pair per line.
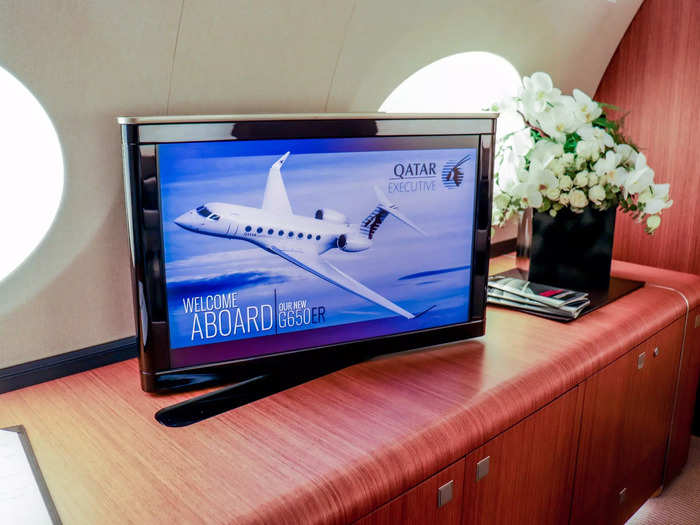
353, 242
326, 214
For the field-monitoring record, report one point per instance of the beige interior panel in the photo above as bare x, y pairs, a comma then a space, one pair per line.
89, 61
256, 56
388, 41
86, 62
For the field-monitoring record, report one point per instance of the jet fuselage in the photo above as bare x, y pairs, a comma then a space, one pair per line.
263, 228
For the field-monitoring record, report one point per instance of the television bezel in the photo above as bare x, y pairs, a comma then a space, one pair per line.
141, 135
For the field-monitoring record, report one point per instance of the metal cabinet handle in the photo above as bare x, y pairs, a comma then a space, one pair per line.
656, 352
445, 493
622, 495
640, 360
482, 468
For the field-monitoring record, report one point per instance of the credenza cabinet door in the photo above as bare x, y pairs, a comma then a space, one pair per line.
602, 439
624, 431
648, 420
687, 390
438, 500
525, 475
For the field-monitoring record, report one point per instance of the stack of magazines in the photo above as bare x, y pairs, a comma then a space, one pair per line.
539, 299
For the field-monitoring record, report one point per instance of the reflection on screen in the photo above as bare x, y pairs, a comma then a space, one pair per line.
314, 241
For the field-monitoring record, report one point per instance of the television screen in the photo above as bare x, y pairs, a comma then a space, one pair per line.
314, 241
269, 244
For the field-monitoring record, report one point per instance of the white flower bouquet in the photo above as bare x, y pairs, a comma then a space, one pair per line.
568, 154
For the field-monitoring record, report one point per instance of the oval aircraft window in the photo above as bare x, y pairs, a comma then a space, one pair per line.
462, 83
31, 173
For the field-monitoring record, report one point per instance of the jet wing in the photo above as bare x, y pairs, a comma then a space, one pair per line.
314, 264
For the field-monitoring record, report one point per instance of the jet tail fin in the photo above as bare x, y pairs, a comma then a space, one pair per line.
275, 198
385, 207
393, 209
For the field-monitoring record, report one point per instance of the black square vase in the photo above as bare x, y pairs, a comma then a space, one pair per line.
572, 250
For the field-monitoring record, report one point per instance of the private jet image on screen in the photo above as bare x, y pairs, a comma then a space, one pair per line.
298, 239
316, 240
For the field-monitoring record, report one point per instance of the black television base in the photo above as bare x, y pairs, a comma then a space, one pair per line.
233, 396
617, 288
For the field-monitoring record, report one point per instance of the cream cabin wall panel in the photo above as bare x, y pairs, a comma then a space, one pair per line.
86, 62
89, 61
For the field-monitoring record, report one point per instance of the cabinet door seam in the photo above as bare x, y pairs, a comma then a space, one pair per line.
678, 378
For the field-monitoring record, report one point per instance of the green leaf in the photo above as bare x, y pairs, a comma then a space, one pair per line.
603, 122
571, 140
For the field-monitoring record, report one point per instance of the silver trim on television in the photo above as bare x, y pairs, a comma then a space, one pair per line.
178, 119
153, 130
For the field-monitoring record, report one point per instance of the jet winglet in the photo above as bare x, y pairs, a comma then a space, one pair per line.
275, 199
425, 311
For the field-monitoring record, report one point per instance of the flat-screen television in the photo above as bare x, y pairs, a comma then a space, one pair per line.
274, 244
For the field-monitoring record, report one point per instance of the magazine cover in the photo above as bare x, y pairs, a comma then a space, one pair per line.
316, 240
540, 299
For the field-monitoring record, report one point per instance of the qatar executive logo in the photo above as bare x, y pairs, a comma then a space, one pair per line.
452, 175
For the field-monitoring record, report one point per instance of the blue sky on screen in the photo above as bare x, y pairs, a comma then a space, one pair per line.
236, 173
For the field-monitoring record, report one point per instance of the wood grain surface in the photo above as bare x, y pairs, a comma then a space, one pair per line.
655, 76
648, 418
683, 283
531, 469
602, 439
685, 403
328, 451
624, 430
419, 505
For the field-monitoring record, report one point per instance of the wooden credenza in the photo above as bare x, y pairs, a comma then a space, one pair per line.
537, 422
610, 434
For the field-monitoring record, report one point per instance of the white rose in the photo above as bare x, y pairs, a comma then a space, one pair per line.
597, 194
553, 194
592, 179
568, 159
501, 201
579, 162
564, 199
581, 179
557, 167
565, 183
653, 222
578, 199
